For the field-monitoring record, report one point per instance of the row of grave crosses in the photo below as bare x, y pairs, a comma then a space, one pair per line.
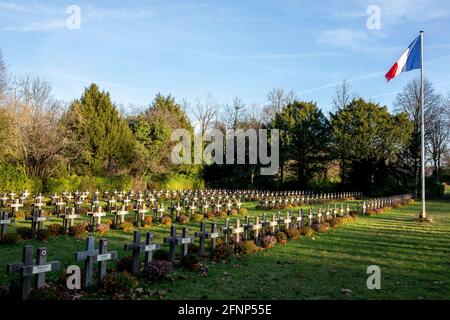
152, 196
380, 203
250, 230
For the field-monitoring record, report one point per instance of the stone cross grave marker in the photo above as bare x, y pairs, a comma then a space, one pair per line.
172, 241
248, 227
69, 218
27, 269
299, 219
137, 247
287, 221
150, 247
310, 217
15, 206
213, 235
227, 230
3, 200
96, 216
4, 222
91, 256
265, 224
319, 215
184, 241
202, 237
119, 216
237, 231
37, 221
139, 214
273, 224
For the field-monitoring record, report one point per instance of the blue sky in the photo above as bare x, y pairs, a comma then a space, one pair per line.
228, 48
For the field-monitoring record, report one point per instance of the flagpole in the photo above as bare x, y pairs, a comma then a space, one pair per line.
422, 103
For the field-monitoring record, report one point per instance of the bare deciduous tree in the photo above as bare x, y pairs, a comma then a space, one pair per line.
343, 95
278, 99
234, 113
39, 140
205, 112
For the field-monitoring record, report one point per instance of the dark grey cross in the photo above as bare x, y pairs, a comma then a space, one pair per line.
150, 247
172, 241
184, 242
213, 235
37, 221
264, 224
139, 214
227, 230
248, 227
237, 231
69, 218
137, 247
202, 237
4, 222
91, 256
255, 228
58, 206
28, 270
280, 220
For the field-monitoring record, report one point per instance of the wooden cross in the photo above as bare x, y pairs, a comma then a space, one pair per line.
202, 236
37, 221
327, 213
58, 206
237, 230
92, 255
139, 214
4, 198
227, 230
299, 219
137, 247
335, 211
150, 247
319, 215
4, 222
280, 220
213, 235
273, 224
341, 210
264, 224
28, 270
69, 218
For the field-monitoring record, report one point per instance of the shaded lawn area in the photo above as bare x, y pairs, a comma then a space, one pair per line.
414, 260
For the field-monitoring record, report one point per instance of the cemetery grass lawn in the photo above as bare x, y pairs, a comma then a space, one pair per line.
414, 260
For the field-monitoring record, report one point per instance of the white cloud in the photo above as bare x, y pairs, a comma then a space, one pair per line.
342, 37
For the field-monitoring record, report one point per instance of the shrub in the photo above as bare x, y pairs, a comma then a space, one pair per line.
210, 215
78, 231
182, 219
55, 229
102, 228
335, 222
292, 233
148, 221
108, 222
220, 214
166, 221
347, 219
243, 211
306, 231
193, 248
198, 217
233, 212
43, 235
131, 220
246, 247
124, 264
268, 241
156, 269
320, 227
83, 211
126, 226
161, 255
223, 251
10, 238
19, 215
281, 237
119, 284
24, 233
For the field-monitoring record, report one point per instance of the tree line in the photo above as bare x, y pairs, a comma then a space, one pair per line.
88, 143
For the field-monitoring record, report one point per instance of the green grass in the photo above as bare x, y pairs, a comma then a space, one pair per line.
414, 259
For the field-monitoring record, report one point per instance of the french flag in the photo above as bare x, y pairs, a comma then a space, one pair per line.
409, 60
